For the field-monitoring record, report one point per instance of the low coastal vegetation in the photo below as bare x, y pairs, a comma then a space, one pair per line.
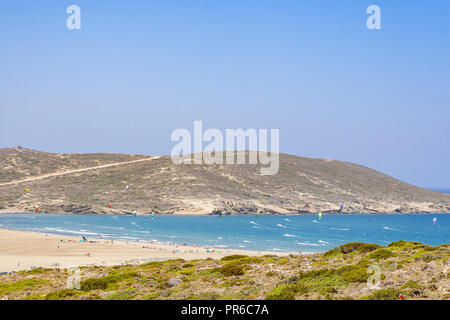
410, 270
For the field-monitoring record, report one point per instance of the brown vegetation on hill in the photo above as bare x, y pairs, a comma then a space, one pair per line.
302, 185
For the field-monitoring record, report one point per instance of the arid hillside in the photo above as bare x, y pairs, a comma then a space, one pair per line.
87, 183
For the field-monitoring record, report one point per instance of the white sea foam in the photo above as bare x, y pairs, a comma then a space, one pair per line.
131, 238
115, 228
310, 244
391, 229
289, 235
73, 231
340, 229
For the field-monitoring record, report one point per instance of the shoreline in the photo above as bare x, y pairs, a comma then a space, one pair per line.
183, 213
25, 250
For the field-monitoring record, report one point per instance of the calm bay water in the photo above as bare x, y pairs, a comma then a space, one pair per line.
273, 233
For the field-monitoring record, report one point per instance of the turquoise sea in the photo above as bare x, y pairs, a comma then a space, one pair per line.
265, 232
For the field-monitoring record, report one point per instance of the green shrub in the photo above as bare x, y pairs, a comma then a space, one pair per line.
353, 273
406, 244
368, 247
6, 288
94, 284
60, 295
251, 260
286, 292
399, 243
204, 296
187, 271
384, 294
233, 257
187, 265
318, 280
331, 278
231, 269
358, 246
118, 277
104, 282
412, 285
316, 274
381, 254
332, 252
283, 292
151, 296
124, 295
38, 271
153, 264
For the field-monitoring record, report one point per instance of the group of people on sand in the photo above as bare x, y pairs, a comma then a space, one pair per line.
174, 249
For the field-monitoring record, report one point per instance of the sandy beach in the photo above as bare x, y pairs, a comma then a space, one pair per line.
21, 250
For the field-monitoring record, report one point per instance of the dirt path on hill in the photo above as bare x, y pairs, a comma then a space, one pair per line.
55, 174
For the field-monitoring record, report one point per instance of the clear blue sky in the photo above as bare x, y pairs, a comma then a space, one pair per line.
137, 70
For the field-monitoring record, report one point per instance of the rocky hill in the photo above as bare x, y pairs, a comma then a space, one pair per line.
87, 183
